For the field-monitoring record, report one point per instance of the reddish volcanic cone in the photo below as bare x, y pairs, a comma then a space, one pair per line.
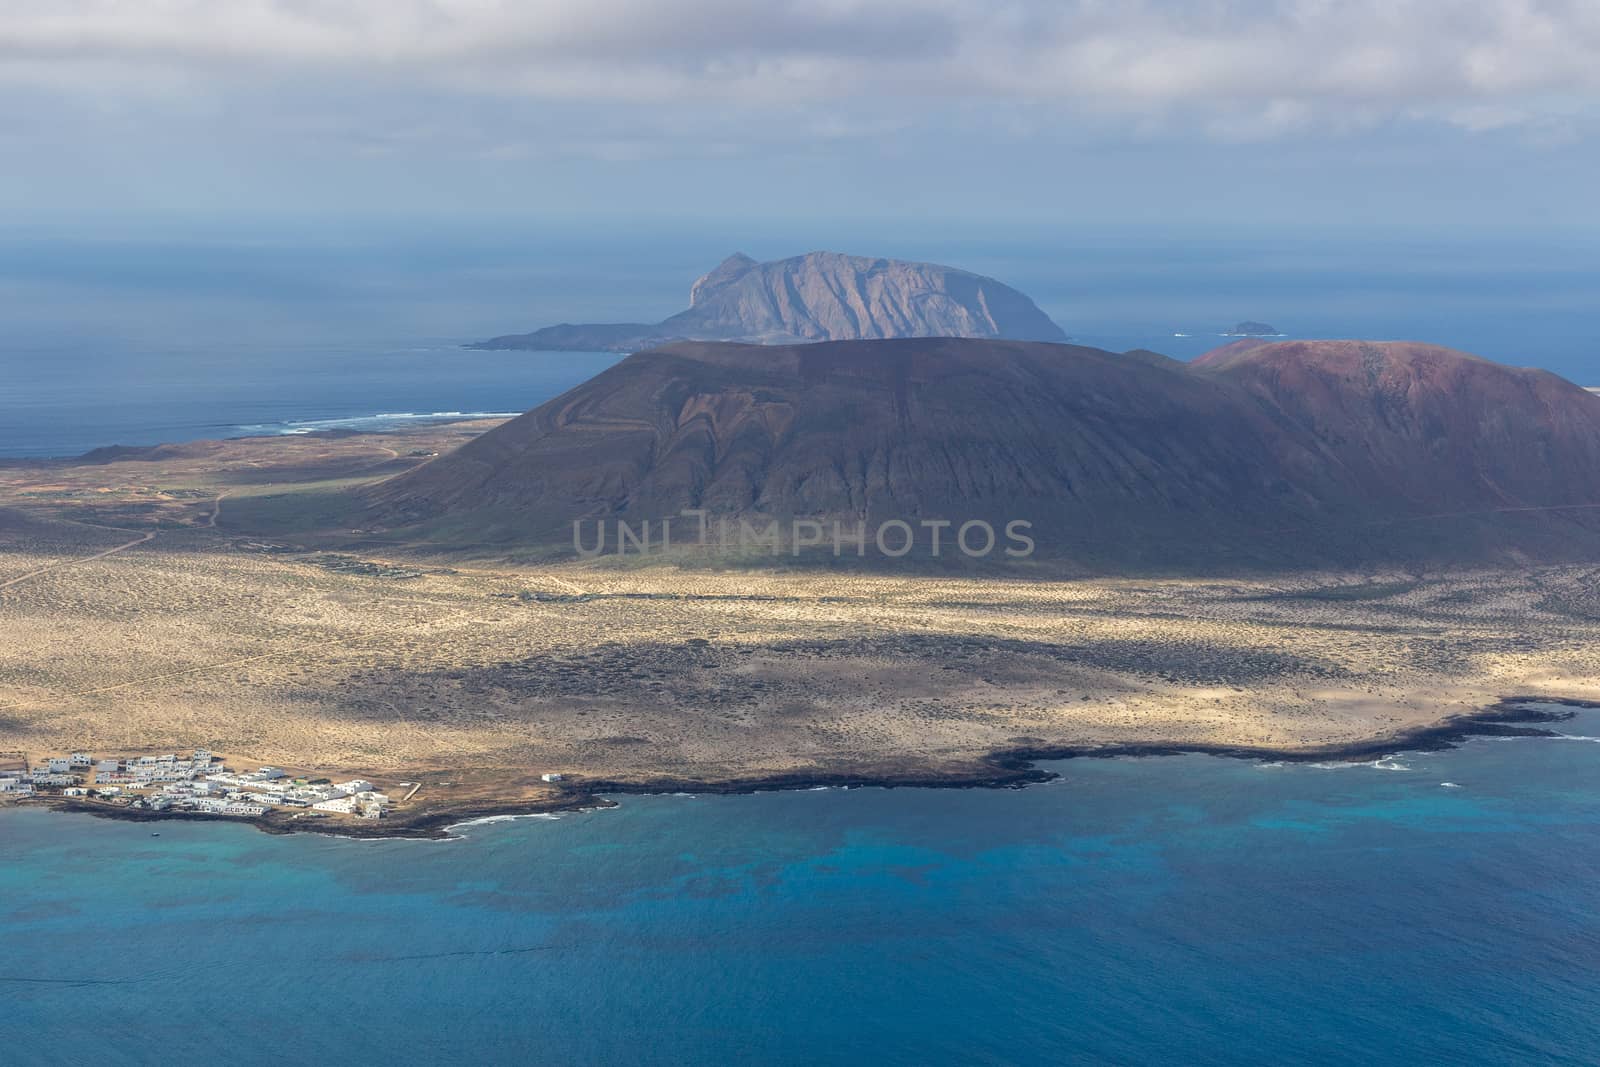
1425, 427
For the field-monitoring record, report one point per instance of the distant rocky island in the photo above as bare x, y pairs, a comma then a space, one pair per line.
1253, 329
820, 296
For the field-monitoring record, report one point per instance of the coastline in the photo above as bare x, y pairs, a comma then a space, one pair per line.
1014, 768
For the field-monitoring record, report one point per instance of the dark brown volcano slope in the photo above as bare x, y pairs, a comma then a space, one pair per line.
1295, 453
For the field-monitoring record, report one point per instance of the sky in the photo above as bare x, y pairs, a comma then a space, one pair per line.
1443, 114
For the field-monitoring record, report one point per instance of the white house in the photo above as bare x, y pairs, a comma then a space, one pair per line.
56, 780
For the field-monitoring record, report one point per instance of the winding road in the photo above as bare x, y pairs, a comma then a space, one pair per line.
82, 559
216, 509
210, 524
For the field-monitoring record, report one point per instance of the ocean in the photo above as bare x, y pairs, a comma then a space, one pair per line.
66, 400
1437, 907
1427, 908
146, 336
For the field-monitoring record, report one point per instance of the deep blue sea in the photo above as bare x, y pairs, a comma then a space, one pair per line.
1425, 908
147, 335
1185, 910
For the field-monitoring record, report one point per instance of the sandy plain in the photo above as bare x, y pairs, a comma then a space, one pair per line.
134, 619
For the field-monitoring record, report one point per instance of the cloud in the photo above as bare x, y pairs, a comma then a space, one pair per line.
1230, 69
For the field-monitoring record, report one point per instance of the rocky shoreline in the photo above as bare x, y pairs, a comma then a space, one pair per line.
1514, 716
1016, 767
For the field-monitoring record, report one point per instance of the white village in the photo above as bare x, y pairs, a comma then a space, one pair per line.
199, 783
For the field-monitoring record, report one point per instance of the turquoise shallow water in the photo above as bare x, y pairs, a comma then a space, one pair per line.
1183, 909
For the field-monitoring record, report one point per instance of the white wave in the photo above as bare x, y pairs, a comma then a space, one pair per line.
381, 421
1573, 737
1449, 785
1383, 763
547, 816
490, 819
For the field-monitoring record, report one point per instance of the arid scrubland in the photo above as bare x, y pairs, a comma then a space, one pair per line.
480, 678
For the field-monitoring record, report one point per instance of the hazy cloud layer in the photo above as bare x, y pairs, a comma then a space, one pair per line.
1154, 111
1237, 68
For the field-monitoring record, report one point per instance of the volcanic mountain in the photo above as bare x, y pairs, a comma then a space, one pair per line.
1260, 454
821, 296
